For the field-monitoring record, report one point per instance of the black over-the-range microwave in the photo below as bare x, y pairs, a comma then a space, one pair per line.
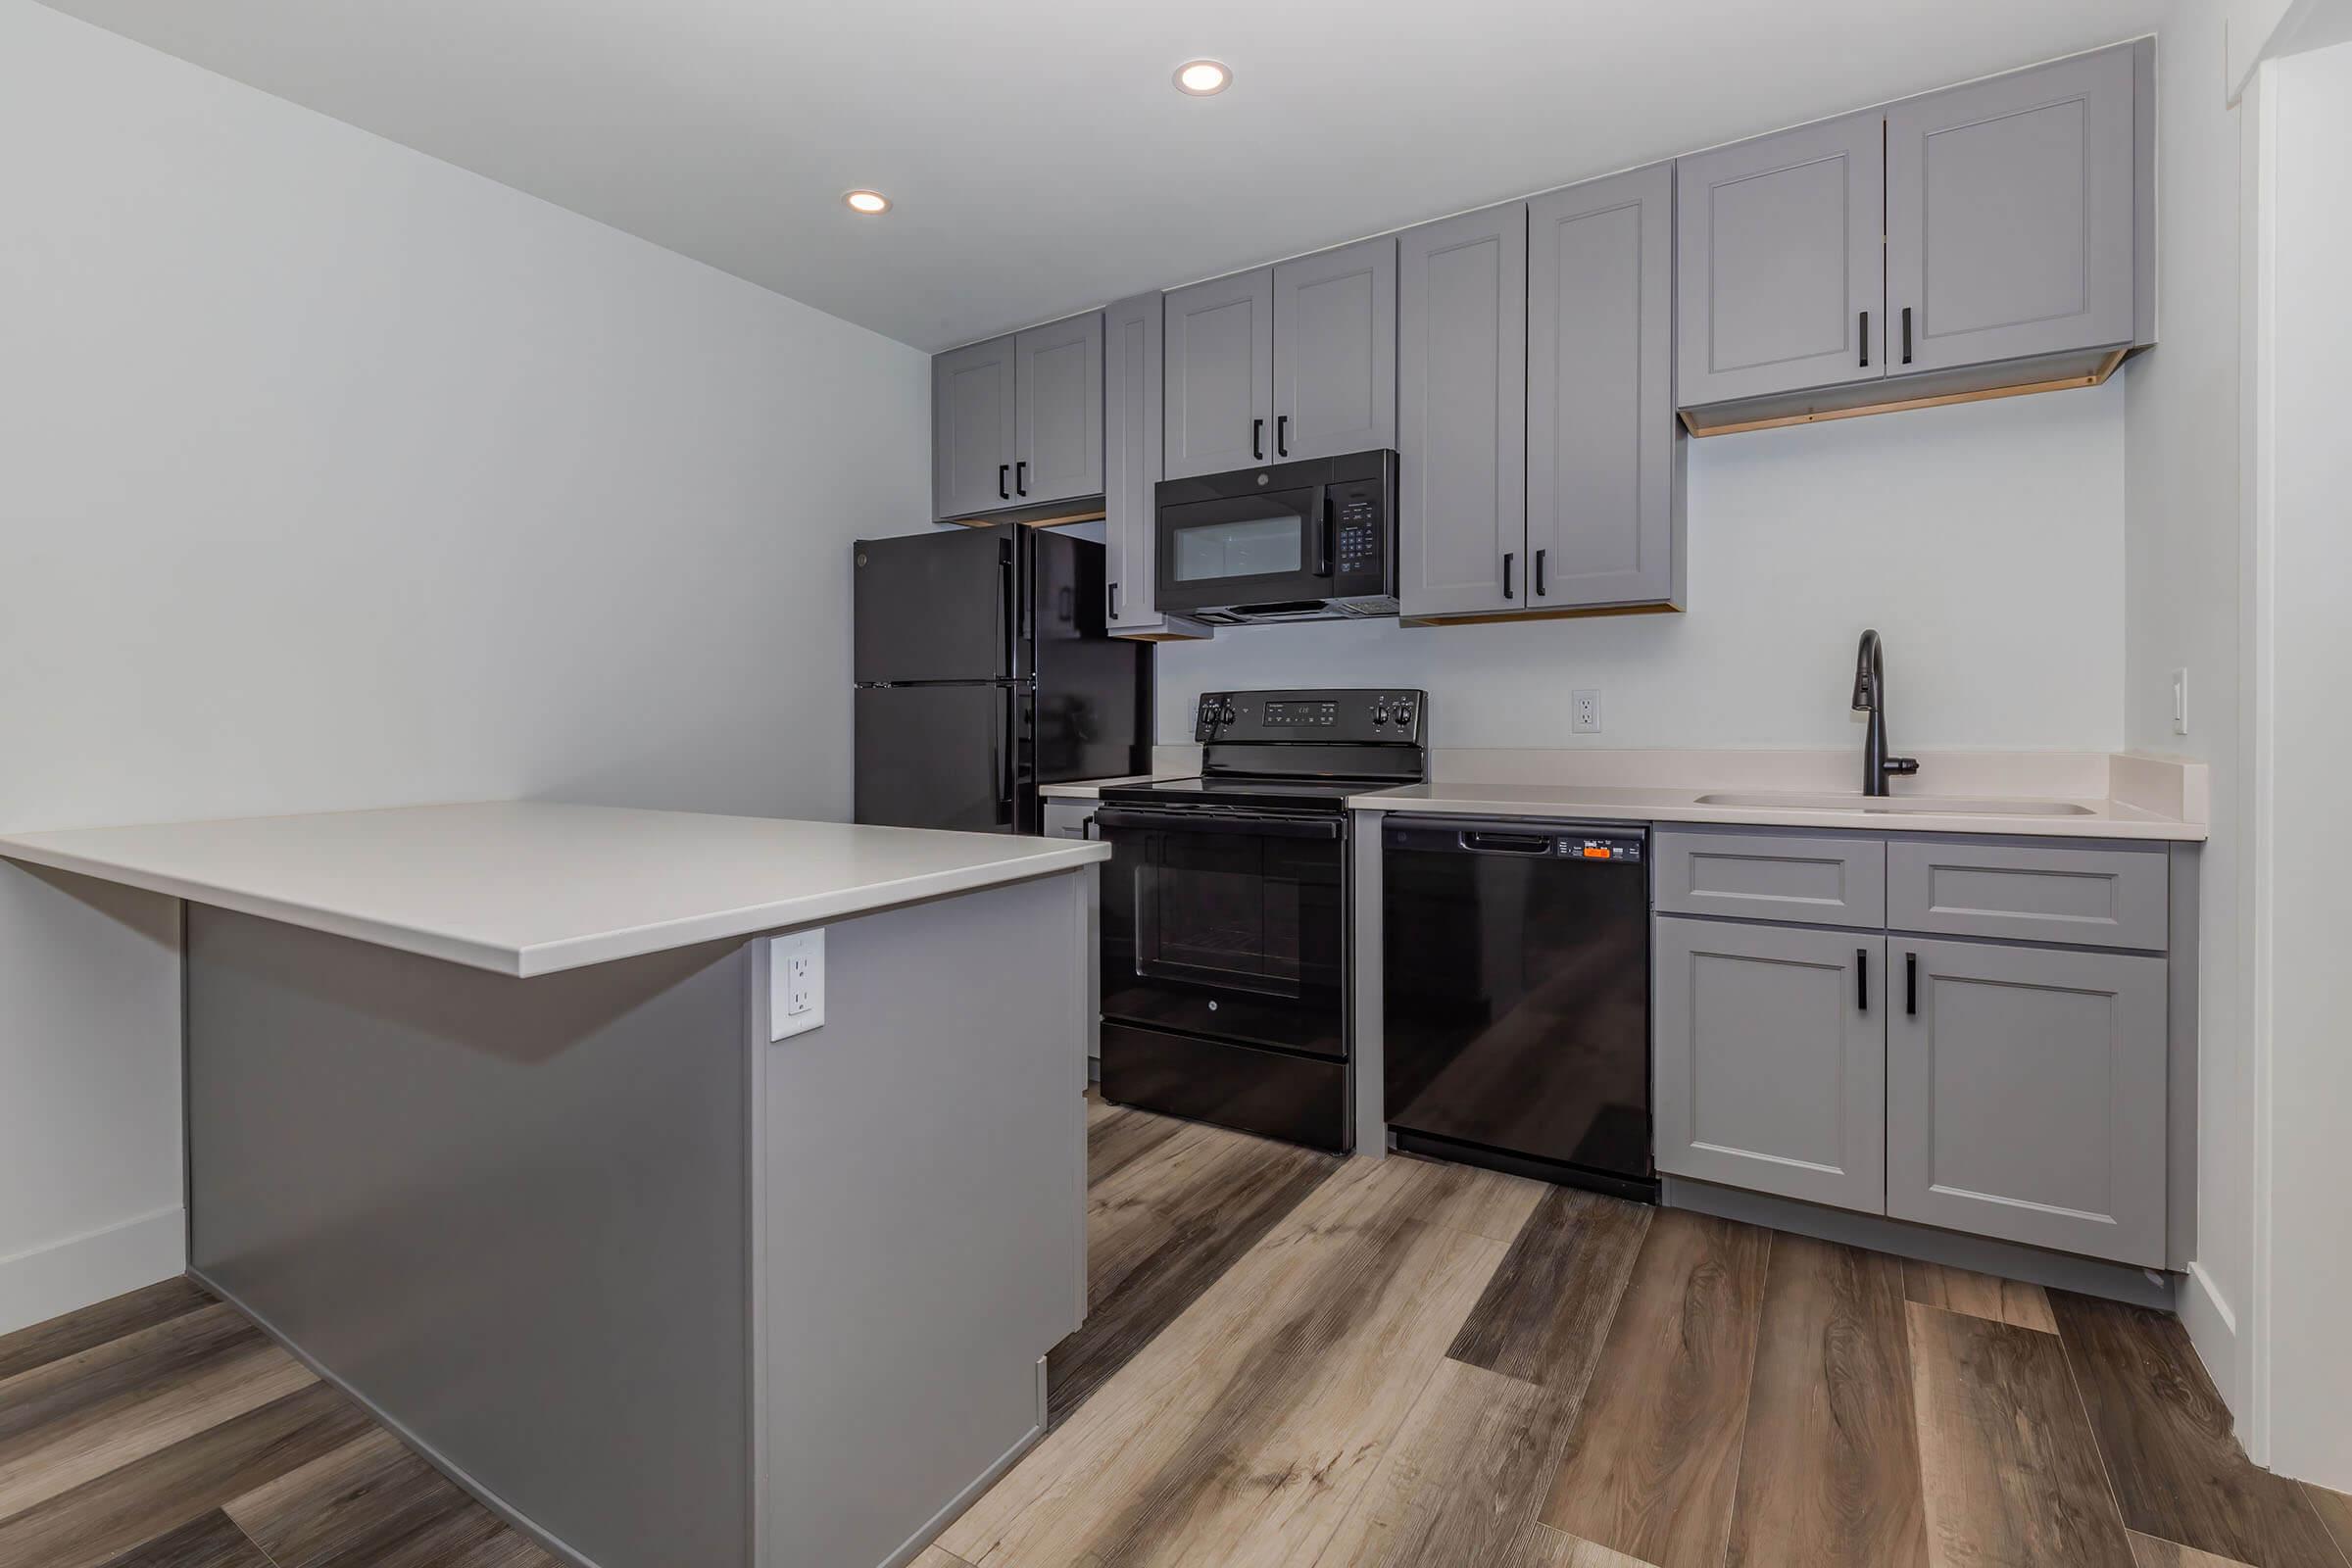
1313, 540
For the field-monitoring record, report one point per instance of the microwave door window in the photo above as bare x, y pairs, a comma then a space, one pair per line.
1242, 547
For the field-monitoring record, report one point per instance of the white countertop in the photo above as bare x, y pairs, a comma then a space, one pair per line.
527, 888
2096, 818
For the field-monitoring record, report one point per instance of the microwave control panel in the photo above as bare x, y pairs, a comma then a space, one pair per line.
1325, 716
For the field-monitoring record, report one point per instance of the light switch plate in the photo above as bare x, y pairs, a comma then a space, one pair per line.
796, 983
2180, 701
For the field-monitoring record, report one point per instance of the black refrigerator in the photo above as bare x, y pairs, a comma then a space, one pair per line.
983, 669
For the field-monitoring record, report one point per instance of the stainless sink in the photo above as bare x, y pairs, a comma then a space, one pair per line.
1932, 805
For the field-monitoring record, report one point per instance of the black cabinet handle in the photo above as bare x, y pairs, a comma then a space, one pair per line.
1003, 468
1507, 557
1021, 477
1911, 984
1866, 340
1282, 436
1906, 334
1862, 978
1538, 574
1258, 439
1114, 601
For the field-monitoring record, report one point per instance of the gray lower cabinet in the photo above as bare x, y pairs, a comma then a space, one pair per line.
1058, 423
1334, 351
1461, 406
972, 417
1220, 375
1770, 1058
2026, 1096
1131, 441
2009, 216
1780, 280
1604, 451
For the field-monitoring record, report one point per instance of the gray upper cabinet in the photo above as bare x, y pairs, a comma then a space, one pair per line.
1219, 411
1131, 436
1771, 1058
2026, 1096
1057, 388
2010, 216
1604, 451
1781, 277
1461, 413
1334, 351
972, 428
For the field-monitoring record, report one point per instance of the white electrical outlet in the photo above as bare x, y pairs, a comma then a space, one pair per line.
796, 983
2180, 701
1586, 710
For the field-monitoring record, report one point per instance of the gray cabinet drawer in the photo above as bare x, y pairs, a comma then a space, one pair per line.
1808, 879
2098, 898
2026, 1096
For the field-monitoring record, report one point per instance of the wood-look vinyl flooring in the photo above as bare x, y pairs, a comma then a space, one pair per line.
1310, 1362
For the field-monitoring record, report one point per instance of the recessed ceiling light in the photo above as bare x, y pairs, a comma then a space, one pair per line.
1201, 77
867, 201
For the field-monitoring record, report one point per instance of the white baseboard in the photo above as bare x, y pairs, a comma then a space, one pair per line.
2213, 1332
41, 1282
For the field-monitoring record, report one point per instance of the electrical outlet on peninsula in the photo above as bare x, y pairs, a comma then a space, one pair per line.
796, 983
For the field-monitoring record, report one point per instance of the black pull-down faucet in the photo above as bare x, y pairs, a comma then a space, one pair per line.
1870, 696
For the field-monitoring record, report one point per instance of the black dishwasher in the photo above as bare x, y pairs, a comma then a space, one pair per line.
1516, 996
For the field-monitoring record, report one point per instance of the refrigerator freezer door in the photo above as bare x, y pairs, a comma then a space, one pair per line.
944, 757
937, 607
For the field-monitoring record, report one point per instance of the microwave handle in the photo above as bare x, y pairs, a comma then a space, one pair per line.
1323, 529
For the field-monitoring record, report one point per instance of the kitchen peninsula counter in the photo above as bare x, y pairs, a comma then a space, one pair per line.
494, 1118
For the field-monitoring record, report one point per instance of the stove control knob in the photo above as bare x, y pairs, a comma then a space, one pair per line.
1404, 714
1380, 713
1225, 714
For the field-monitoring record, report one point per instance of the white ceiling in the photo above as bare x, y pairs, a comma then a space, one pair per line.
1041, 161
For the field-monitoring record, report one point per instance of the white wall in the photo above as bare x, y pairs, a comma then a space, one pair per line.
2184, 612
2309, 667
1985, 541
336, 477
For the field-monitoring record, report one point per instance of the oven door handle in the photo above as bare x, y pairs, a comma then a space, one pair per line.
1111, 818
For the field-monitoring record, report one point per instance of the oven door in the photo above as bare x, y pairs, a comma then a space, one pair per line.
1227, 924
1269, 547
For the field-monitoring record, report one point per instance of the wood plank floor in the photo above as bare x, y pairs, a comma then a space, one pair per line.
1302, 1361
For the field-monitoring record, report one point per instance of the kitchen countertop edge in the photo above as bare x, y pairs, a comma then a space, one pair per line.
525, 959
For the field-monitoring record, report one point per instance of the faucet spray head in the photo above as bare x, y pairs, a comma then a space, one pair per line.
1867, 666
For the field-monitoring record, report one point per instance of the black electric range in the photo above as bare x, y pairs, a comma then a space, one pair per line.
1225, 910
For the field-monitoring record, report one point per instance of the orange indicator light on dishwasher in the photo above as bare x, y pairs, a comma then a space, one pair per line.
1595, 851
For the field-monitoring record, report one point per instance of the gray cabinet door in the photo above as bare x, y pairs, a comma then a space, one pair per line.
2009, 216
1603, 447
1131, 392
2026, 1096
1334, 351
1220, 375
1461, 406
971, 430
1780, 270
1057, 387
1770, 1058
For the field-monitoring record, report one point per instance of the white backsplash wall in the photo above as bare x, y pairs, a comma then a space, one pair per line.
1983, 540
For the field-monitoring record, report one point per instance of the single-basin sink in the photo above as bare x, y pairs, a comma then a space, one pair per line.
1934, 804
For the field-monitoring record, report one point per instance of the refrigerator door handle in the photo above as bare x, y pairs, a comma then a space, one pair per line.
1007, 616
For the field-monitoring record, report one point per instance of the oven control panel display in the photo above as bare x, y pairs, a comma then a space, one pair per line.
1293, 716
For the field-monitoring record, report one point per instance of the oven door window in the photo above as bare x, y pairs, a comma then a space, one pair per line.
1259, 546
1232, 933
